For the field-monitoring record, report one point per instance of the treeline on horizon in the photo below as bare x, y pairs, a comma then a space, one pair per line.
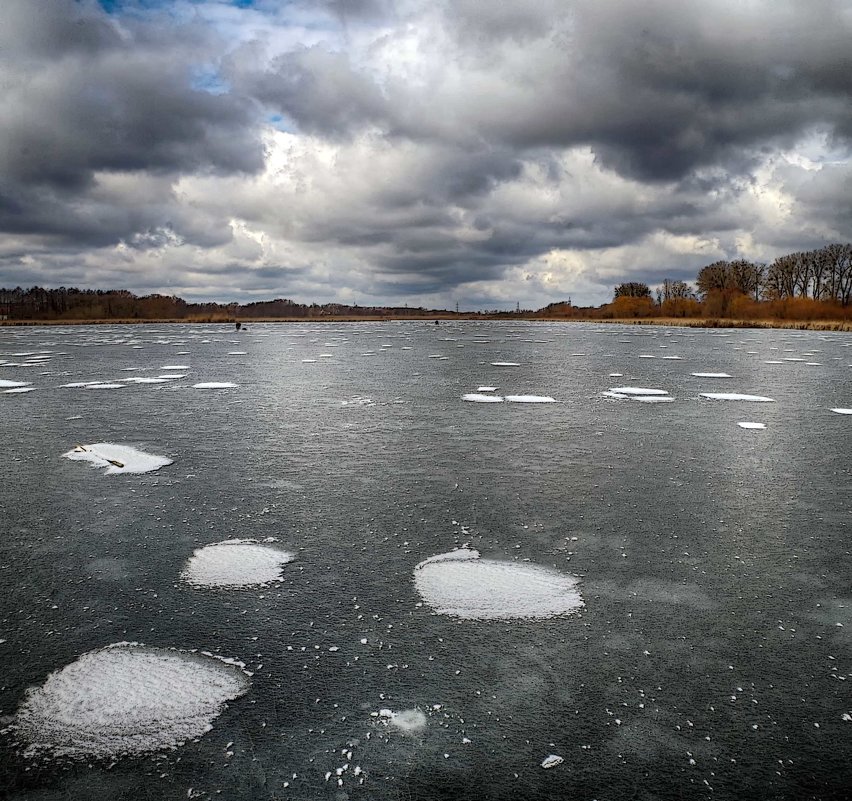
811, 285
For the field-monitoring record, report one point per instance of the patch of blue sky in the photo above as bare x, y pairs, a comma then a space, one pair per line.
281, 123
207, 79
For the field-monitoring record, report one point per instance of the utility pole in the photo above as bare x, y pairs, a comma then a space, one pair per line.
518, 307
457, 307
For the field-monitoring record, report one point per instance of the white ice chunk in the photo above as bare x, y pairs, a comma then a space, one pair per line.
214, 385
505, 364
638, 391
410, 721
530, 399
117, 458
235, 563
842, 411
711, 375
105, 385
736, 396
4, 382
462, 585
756, 426
552, 761
475, 397
611, 394
175, 367
18, 390
486, 389
126, 699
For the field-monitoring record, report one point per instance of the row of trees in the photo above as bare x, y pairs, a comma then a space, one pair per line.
805, 285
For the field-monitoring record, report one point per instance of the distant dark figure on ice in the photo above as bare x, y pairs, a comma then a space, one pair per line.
239, 326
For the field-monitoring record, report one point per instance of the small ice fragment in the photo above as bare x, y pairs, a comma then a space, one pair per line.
105, 385
842, 411
552, 761
711, 375
486, 389
757, 426
214, 385
505, 364
18, 390
4, 382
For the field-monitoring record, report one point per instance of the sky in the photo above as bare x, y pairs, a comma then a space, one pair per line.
424, 153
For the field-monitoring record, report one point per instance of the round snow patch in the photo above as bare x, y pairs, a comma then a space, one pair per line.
462, 585
126, 699
117, 458
235, 563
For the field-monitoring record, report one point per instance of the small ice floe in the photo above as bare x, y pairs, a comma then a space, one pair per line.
175, 367
475, 397
408, 721
308, 361
646, 356
736, 396
145, 380
76, 384
673, 358
616, 375
234, 564
711, 375
4, 382
237, 353
643, 391
214, 385
842, 411
117, 458
105, 385
755, 426
18, 390
486, 389
126, 700
610, 394
505, 364
774, 361
172, 376
552, 761
530, 399
462, 585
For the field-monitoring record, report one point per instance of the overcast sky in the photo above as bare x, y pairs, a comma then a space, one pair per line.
481, 151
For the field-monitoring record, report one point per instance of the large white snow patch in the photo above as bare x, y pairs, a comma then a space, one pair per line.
476, 397
530, 399
644, 391
462, 585
736, 396
126, 699
235, 563
117, 458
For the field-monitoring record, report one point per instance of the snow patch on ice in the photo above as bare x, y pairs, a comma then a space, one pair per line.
125, 700
4, 382
842, 411
505, 364
652, 398
18, 390
475, 397
235, 563
117, 458
214, 385
530, 399
755, 426
552, 761
638, 391
736, 396
711, 375
462, 585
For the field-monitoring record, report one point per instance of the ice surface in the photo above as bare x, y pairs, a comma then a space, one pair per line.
530, 399
462, 585
117, 458
637, 391
842, 411
126, 699
214, 385
475, 397
736, 396
235, 563
757, 426
711, 375
410, 721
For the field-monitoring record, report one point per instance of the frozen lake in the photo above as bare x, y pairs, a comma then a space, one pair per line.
342, 580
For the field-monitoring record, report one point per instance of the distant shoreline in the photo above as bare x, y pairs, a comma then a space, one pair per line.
682, 322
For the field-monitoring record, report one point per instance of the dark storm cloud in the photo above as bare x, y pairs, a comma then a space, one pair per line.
82, 95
